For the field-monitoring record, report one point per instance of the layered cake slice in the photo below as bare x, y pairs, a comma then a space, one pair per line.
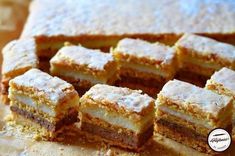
42, 104
187, 113
84, 67
144, 64
18, 57
119, 116
200, 57
223, 82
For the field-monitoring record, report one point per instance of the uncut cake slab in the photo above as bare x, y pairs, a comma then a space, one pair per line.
85, 22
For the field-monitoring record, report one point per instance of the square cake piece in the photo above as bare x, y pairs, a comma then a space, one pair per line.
223, 82
144, 63
18, 57
119, 116
187, 113
83, 67
200, 57
42, 103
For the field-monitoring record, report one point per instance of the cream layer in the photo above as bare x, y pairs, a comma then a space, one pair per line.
77, 75
73, 103
202, 63
119, 120
145, 69
30, 102
203, 123
186, 117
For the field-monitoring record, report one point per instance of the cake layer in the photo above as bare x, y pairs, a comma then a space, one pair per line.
115, 135
219, 88
142, 52
83, 59
28, 126
203, 63
200, 126
194, 101
76, 75
148, 70
116, 119
39, 112
30, 104
118, 138
148, 79
224, 81
179, 16
31, 128
183, 135
207, 48
198, 69
204, 55
51, 91
18, 57
67, 120
122, 100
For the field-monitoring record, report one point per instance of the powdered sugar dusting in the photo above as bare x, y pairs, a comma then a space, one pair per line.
226, 77
53, 87
19, 54
131, 100
140, 49
94, 59
206, 46
106, 17
186, 95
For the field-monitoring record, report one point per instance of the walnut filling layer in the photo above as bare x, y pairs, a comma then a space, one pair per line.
70, 118
186, 117
77, 75
182, 134
119, 120
121, 138
181, 129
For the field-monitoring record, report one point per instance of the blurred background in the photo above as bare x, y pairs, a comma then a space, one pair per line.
13, 14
